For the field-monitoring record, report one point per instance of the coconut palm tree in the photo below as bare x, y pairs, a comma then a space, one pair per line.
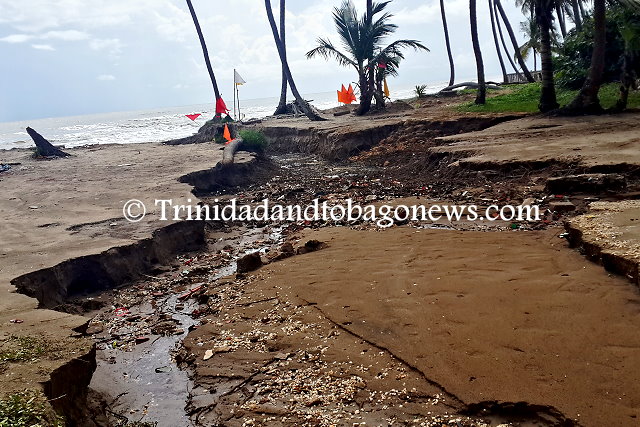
497, 42
587, 100
504, 44
304, 105
282, 105
575, 14
481, 98
362, 39
206, 54
531, 31
452, 67
560, 15
514, 41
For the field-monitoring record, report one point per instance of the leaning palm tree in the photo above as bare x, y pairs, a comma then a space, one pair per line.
282, 105
587, 100
504, 44
362, 39
452, 68
481, 98
514, 41
206, 55
302, 104
505, 79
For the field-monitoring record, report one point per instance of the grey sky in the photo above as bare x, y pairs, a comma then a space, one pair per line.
73, 57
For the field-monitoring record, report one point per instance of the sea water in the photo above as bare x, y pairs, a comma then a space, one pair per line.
155, 125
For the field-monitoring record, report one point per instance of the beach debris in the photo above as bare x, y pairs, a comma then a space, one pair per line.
208, 355
249, 263
4, 167
141, 339
16, 321
191, 292
562, 207
163, 370
43, 147
592, 182
311, 246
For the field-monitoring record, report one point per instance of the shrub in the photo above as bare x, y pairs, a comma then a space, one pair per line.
253, 140
28, 409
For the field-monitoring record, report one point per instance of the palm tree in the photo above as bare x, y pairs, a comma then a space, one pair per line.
504, 44
481, 98
304, 106
206, 54
544, 17
362, 38
514, 41
576, 15
282, 105
452, 78
531, 31
561, 19
587, 100
497, 42
630, 29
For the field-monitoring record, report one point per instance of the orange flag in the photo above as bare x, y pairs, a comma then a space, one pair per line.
227, 134
352, 95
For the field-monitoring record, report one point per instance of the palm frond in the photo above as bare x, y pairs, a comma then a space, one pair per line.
327, 50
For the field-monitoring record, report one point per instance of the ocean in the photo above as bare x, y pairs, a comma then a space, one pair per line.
156, 125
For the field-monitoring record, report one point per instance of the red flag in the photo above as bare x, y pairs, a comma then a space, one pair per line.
227, 134
221, 107
193, 117
352, 95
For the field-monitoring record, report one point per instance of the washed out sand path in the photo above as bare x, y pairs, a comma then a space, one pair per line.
507, 317
57, 210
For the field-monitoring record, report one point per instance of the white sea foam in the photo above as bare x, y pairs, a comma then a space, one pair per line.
156, 125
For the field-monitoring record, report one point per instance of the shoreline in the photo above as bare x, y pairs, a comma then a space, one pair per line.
390, 140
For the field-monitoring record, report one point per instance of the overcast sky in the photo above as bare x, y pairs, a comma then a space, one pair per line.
72, 57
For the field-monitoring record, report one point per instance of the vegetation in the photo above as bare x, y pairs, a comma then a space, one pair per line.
524, 99
421, 91
22, 349
253, 140
28, 409
363, 39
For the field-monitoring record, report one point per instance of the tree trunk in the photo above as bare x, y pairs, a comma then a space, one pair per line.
452, 77
587, 100
306, 109
514, 41
282, 105
43, 147
577, 17
366, 91
481, 98
497, 42
561, 21
548, 100
205, 52
504, 44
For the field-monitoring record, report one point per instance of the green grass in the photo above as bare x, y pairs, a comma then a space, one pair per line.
22, 349
27, 409
253, 140
524, 99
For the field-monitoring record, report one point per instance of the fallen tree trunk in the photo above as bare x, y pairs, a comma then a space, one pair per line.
43, 147
469, 85
230, 151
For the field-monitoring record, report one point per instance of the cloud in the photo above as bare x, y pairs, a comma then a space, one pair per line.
43, 47
16, 38
112, 46
106, 77
67, 35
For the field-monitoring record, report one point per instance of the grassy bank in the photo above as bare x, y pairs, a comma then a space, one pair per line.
524, 98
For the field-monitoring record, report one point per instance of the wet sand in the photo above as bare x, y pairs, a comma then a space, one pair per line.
504, 317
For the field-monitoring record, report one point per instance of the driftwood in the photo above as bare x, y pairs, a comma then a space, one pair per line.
43, 147
230, 150
469, 85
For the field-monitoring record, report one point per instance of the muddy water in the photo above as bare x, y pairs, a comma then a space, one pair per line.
144, 384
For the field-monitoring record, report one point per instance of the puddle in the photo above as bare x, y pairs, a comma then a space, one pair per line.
142, 383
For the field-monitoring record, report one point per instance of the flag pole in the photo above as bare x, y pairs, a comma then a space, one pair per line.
234, 94
239, 112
